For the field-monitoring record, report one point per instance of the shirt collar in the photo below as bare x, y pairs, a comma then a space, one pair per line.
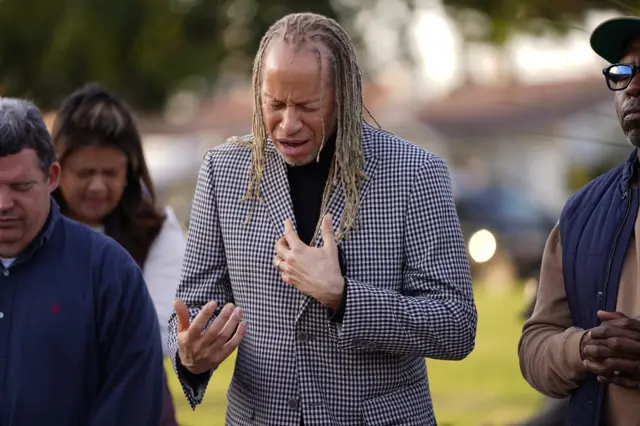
44, 235
50, 224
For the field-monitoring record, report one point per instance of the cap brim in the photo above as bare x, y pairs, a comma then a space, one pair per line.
609, 40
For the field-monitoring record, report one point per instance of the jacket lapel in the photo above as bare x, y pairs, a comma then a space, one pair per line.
275, 190
337, 201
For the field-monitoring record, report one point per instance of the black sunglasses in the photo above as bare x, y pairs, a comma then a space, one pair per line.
619, 76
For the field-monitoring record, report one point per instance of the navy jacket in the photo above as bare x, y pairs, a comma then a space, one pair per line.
595, 227
79, 337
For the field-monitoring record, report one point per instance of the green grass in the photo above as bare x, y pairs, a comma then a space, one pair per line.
484, 389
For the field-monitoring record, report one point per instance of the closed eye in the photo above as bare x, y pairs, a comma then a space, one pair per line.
275, 105
310, 108
23, 186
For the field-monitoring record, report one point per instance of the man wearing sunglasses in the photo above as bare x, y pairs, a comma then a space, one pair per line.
583, 339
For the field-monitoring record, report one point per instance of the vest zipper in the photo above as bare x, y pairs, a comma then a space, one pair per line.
627, 196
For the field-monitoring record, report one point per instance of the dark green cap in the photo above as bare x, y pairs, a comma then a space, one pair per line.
610, 38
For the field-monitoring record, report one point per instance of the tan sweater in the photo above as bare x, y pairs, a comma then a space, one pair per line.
549, 348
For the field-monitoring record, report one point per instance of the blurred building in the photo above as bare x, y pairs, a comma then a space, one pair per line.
527, 135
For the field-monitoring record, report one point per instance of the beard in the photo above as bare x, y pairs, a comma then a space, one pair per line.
633, 136
299, 163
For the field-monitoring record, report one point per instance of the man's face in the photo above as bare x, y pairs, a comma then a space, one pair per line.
297, 102
24, 199
627, 101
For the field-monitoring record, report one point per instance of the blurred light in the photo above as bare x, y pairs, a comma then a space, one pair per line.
182, 107
242, 11
482, 246
235, 37
395, 12
346, 5
170, 158
474, 25
438, 46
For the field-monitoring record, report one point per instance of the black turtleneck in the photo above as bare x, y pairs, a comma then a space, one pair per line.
307, 185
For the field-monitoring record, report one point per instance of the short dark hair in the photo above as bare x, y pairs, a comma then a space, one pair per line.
22, 126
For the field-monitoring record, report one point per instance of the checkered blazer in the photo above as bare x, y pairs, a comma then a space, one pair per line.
409, 291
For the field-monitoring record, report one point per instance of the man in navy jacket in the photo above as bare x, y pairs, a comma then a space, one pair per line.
583, 339
79, 340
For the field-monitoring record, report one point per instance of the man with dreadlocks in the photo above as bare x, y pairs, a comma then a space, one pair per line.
337, 243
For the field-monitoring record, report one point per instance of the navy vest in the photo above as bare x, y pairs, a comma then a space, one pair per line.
596, 225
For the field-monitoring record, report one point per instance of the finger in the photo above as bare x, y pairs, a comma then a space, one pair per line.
290, 235
288, 276
281, 265
622, 346
598, 352
597, 368
200, 321
228, 329
282, 249
625, 382
607, 332
328, 238
627, 367
216, 326
626, 323
608, 316
232, 344
284, 243
182, 315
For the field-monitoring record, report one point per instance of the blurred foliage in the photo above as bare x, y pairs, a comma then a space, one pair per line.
145, 49
495, 21
148, 49
579, 175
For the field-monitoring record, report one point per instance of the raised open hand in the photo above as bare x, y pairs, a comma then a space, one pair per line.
201, 351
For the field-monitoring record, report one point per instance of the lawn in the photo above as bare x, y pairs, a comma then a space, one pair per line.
486, 389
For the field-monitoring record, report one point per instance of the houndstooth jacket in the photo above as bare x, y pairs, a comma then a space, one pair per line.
409, 291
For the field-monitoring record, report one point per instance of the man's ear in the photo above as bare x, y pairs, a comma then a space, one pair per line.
54, 176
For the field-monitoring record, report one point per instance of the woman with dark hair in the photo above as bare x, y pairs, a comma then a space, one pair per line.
105, 184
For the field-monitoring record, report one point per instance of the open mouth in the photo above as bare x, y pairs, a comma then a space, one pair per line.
293, 144
294, 149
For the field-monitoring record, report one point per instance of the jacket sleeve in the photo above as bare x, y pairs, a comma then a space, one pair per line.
130, 351
204, 275
549, 348
434, 315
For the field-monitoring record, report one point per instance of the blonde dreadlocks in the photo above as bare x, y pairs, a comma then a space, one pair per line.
301, 30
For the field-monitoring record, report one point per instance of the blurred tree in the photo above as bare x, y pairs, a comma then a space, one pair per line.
503, 18
143, 49
496, 21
